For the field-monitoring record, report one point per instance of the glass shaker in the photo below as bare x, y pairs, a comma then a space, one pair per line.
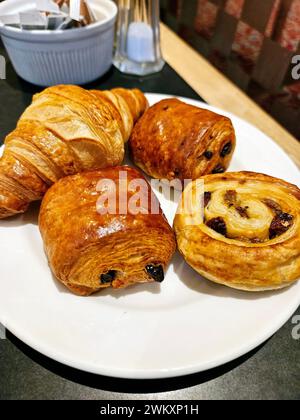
138, 37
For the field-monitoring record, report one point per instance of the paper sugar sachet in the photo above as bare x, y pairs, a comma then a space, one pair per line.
11, 20
33, 20
51, 15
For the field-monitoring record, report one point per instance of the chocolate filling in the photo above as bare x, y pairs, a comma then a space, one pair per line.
108, 278
226, 149
208, 155
156, 272
219, 169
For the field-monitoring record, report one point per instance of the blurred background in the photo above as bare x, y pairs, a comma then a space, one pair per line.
252, 42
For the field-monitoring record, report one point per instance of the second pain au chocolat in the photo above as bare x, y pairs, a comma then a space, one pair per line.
90, 249
176, 140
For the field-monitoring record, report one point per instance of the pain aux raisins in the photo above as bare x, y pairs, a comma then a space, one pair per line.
218, 224
109, 277
156, 272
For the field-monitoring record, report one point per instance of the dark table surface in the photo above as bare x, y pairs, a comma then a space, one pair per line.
270, 372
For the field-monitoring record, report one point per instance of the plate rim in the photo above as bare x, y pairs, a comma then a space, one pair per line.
144, 374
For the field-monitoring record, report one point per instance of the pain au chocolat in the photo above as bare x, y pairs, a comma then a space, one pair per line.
90, 248
249, 237
176, 140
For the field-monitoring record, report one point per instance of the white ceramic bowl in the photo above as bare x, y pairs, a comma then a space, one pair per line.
73, 56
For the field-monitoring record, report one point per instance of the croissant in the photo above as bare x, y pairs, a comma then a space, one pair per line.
97, 234
64, 131
249, 237
177, 140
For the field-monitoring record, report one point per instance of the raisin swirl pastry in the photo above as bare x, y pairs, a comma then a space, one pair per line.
90, 249
176, 140
249, 238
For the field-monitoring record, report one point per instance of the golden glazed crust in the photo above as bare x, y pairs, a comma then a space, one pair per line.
249, 238
64, 131
82, 245
176, 140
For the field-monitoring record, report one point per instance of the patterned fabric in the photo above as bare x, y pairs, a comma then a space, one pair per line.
206, 18
290, 34
248, 42
234, 7
273, 18
252, 42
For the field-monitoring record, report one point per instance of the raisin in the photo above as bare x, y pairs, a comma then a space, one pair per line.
219, 169
208, 155
218, 225
226, 149
242, 211
231, 200
156, 272
108, 278
280, 224
273, 206
207, 198
286, 217
230, 197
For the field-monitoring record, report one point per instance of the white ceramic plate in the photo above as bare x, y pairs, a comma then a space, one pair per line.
183, 326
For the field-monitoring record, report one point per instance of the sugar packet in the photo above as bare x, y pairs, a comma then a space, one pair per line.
11, 20
48, 6
33, 20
